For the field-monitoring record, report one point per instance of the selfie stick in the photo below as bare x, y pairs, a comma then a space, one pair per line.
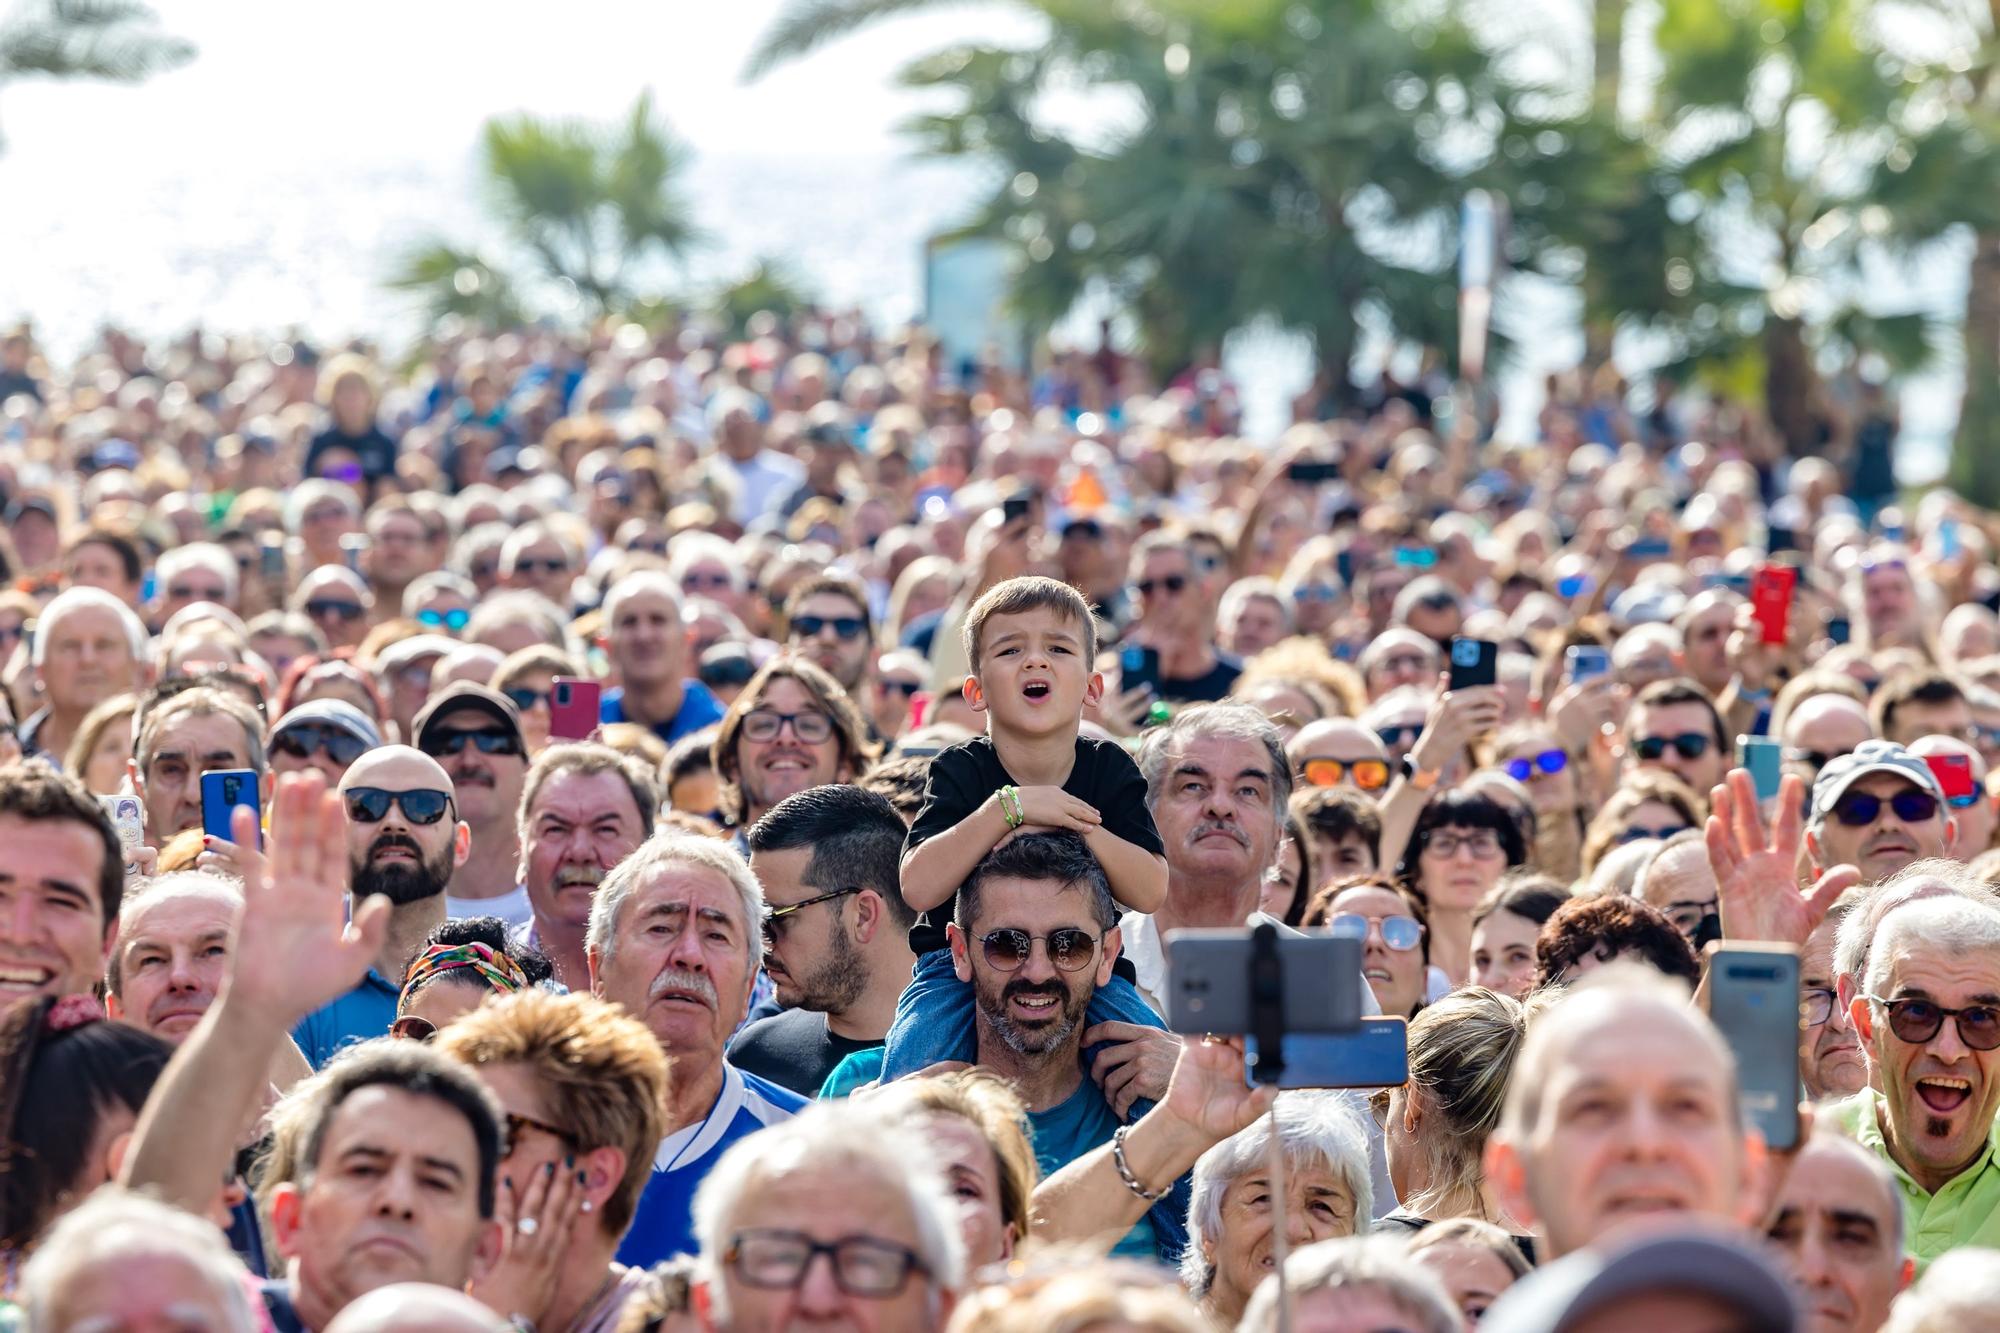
1267, 1025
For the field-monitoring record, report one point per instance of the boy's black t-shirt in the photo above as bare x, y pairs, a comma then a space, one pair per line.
965, 775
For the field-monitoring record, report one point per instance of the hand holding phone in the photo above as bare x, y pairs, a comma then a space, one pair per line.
1587, 661
574, 708
1474, 662
1139, 666
222, 790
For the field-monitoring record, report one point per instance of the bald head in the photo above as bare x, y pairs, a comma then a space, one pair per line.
1680, 882
397, 768
1339, 738
416, 1307
404, 836
1827, 723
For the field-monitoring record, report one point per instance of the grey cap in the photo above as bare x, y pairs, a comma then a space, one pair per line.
1648, 604
1845, 770
1722, 1265
418, 646
333, 713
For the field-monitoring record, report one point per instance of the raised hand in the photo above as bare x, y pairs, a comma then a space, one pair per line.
1456, 718
1208, 1093
1757, 870
1137, 1062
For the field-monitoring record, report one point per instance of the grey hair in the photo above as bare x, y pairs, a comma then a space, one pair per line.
530, 534
1316, 1128
1377, 1263
175, 884
1948, 923
438, 580
1227, 720
521, 604
1862, 917
644, 580
828, 1134
201, 701
310, 492
118, 1226
667, 850
691, 548
1958, 1291
200, 555
86, 599
1249, 589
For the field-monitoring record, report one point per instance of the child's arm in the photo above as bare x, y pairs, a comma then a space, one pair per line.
1138, 877
934, 869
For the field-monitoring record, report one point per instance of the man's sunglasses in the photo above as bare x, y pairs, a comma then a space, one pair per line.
454, 620
544, 565
441, 744
1640, 833
1857, 809
844, 627
1070, 949
1548, 761
906, 688
1394, 736
1174, 584
1688, 745
321, 609
1918, 1021
370, 805
302, 740
1401, 933
778, 918
1815, 758
524, 698
1368, 774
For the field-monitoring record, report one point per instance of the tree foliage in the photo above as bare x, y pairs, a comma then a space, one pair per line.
117, 40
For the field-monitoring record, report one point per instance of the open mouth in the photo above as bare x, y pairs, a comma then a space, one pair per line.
787, 763
1036, 689
1891, 847
1943, 1094
1374, 974
1035, 1007
686, 997
18, 978
1645, 1203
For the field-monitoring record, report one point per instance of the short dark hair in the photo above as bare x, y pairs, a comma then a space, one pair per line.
903, 781
1607, 927
691, 754
1047, 857
415, 1068
37, 793
131, 561
1339, 813
1531, 897
856, 838
1679, 690
1910, 687
1018, 597
1461, 809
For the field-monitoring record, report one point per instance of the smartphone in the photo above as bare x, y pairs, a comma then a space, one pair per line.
1015, 507
1753, 999
1587, 661
1839, 629
1138, 665
1313, 473
1343, 565
1778, 539
1764, 759
573, 708
129, 818
222, 790
1208, 982
353, 546
1574, 585
1954, 775
1650, 548
1375, 1055
1771, 600
272, 555
1416, 557
1474, 662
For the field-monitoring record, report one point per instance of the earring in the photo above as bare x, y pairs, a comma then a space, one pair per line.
588, 1206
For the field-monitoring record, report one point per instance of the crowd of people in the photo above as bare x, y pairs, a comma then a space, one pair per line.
717, 805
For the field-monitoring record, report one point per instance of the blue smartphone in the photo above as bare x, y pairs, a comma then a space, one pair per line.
1375, 1055
1764, 759
222, 790
1587, 661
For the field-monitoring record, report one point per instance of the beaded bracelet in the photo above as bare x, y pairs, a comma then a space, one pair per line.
1125, 1169
1010, 807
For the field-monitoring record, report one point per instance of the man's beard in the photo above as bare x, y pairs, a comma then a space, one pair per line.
837, 982
1039, 1039
399, 881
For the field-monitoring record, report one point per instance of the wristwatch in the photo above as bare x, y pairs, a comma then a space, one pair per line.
1423, 779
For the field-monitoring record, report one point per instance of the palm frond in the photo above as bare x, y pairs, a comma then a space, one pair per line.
805, 26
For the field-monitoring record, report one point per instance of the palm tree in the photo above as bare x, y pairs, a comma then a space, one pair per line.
116, 40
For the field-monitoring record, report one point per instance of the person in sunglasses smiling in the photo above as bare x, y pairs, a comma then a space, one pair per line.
1878, 809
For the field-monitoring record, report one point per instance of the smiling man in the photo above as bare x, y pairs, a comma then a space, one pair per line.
1928, 1018
62, 879
1878, 809
793, 727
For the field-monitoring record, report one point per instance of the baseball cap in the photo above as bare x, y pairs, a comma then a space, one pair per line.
1870, 757
1649, 603
418, 646
336, 713
1723, 1266
467, 696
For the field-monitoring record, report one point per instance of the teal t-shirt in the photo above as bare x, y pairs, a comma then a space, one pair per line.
1066, 1132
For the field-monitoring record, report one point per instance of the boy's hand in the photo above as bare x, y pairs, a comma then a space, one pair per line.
1054, 808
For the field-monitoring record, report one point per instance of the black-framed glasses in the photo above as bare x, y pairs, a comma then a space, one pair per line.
844, 627
1919, 1021
1008, 950
516, 1127
540, 565
370, 805
1857, 809
322, 609
810, 726
1685, 914
906, 688
440, 744
182, 593
778, 918
1819, 1002
1484, 844
1548, 761
862, 1265
1688, 745
301, 740
1172, 584
454, 620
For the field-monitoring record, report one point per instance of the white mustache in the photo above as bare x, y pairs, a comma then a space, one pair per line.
692, 982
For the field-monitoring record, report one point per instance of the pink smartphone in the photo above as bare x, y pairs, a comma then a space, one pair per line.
573, 708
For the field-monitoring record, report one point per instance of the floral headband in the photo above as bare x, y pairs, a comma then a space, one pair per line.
495, 968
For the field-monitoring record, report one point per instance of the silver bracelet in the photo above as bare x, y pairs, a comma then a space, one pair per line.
1125, 1169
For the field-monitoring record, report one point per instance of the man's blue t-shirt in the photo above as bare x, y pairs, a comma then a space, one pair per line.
1070, 1129
364, 1013
699, 708
664, 1224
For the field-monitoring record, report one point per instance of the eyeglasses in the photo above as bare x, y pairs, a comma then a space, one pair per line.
1981, 735
713, 578
777, 918
454, 620
1548, 761
517, 1126
1315, 592
320, 609
862, 1265
182, 593
1368, 774
1688, 745
810, 726
1686, 914
370, 805
1070, 949
525, 698
302, 740
1401, 933
1173, 585
1872, 566
1819, 1002
483, 570
906, 688
1394, 736
543, 565
1918, 1021
844, 627
1483, 844
1640, 833
13, 633
441, 744
410, 1027
1858, 808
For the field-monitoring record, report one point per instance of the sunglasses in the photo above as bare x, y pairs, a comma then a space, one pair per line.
763, 724
1070, 949
454, 620
1816, 758
906, 688
1368, 774
370, 805
185, 594
778, 918
516, 1128
321, 610
1395, 736
844, 627
1548, 761
544, 565
1173, 584
1401, 933
1858, 808
1688, 745
1918, 1021
303, 740
441, 744
1640, 833
1315, 592
412, 1028
524, 698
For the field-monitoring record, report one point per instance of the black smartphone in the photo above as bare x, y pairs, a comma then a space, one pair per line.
1753, 999
1311, 472
1208, 982
1139, 665
1474, 662
1839, 629
1343, 565
1015, 507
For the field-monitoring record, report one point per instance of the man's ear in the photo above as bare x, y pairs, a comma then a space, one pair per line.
1951, 835
870, 915
973, 694
138, 783
703, 1301
961, 955
1861, 1017
286, 1205
1815, 854
1507, 1173
461, 844
595, 966
1113, 942
487, 1251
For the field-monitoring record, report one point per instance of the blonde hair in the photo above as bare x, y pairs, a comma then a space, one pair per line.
1081, 1299
989, 1105
344, 367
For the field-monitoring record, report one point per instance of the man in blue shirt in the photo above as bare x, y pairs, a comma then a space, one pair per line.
647, 643
675, 936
